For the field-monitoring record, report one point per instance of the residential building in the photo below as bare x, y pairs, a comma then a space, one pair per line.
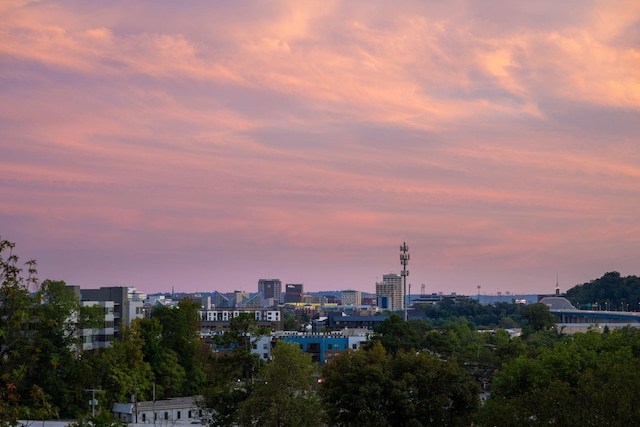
350, 297
128, 304
390, 292
324, 346
179, 410
216, 321
93, 338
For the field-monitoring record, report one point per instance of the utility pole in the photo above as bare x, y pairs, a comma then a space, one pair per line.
404, 260
93, 399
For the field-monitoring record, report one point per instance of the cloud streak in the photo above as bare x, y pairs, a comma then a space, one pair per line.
205, 146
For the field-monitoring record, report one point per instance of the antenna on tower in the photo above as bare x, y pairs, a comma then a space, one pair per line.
557, 286
404, 260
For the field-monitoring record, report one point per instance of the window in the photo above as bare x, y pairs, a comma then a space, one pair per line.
144, 417
329, 346
178, 414
189, 414
354, 346
166, 415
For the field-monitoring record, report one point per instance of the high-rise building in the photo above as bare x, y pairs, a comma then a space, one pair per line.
293, 292
271, 289
391, 290
350, 297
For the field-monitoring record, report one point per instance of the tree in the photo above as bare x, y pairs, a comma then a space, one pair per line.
395, 334
170, 376
230, 377
120, 370
369, 387
428, 391
538, 318
355, 388
283, 396
58, 320
291, 323
20, 395
589, 379
181, 335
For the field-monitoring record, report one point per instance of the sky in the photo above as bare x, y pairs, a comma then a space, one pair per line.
205, 145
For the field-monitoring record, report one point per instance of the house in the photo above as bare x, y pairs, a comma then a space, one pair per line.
179, 410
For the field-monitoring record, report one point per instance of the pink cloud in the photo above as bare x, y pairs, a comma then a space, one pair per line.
499, 141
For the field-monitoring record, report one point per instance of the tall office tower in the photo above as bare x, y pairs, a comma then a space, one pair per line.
293, 292
271, 289
350, 297
391, 291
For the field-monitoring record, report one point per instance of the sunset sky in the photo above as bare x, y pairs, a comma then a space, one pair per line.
204, 145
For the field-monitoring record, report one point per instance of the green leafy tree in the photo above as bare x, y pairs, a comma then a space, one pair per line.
283, 396
20, 395
355, 388
611, 291
428, 391
395, 334
230, 376
291, 323
120, 371
181, 336
370, 387
538, 318
169, 374
56, 342
589, 379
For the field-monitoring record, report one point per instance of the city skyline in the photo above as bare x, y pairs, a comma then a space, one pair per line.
208, 145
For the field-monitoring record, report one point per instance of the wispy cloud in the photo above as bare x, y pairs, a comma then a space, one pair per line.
309, 140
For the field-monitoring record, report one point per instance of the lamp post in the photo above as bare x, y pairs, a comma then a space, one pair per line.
404, 260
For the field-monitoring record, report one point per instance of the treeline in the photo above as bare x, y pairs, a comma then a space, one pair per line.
429, 372
499, 315
610, 292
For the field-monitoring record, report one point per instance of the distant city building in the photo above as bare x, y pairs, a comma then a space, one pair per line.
390, 292
350, 297
293, 293
368, 301
324, 347
271, 289
237, 298
215, 322
314, 299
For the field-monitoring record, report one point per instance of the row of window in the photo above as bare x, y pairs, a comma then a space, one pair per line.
190, 414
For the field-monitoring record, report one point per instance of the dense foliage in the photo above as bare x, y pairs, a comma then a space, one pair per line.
611, 291
374, 388
427, 371
499, 315
587, 380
